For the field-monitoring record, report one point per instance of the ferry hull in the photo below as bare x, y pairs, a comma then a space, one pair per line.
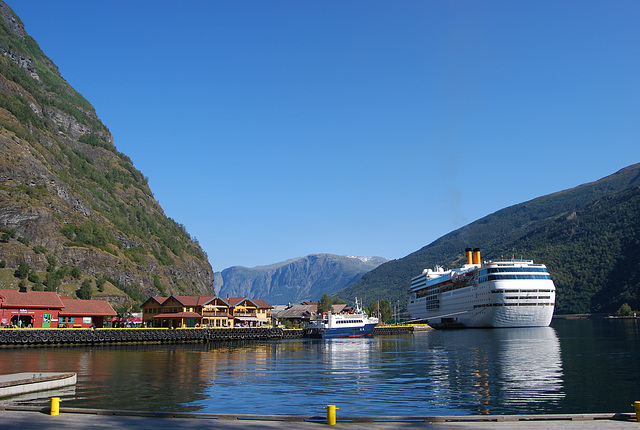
330, 333
511, 316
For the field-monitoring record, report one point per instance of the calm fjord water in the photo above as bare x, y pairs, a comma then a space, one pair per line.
574, 366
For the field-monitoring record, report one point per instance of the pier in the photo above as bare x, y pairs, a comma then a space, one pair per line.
26, 417
98, 336
20, 383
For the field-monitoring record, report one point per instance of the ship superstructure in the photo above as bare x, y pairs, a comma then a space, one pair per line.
353, 324
503, 293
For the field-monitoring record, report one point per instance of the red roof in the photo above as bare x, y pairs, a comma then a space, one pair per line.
87, 308
30, 299
262, 304
158, 299
233, 301
193, 300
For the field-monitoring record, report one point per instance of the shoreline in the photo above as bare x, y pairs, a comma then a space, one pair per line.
15, 337
25, 417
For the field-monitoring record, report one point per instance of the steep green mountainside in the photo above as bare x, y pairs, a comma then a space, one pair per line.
587, 236
295, 280
72, 207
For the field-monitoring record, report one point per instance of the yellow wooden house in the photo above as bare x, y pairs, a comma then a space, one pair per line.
205, 311
215, 313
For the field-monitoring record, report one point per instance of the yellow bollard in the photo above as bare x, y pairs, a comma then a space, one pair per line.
331, 414
636, 404
55, 406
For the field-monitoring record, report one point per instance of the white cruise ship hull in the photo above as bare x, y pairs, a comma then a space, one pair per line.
501, 294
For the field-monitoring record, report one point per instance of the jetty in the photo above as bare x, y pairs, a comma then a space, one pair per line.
20, 383
11, 337
25, 417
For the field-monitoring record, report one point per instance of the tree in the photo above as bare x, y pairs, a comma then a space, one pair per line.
85, 292
326, 304
385, 310
52, 281
22, 271
624, 310
76, 273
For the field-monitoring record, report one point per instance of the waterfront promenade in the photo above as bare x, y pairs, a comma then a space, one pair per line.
33, 418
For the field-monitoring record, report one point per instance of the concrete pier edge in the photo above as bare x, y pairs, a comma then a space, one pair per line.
343, 419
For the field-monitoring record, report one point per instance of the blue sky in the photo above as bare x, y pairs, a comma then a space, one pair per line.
277, 129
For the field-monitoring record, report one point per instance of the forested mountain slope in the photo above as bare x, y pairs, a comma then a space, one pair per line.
587, 235
74, 209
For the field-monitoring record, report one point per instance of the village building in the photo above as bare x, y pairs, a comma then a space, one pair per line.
45, 309
176, 311
249, 312
85, 313
215, 313
209, 311
300, 315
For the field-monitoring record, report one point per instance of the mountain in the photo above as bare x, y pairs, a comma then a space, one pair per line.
588, 236
73, 208
295, 280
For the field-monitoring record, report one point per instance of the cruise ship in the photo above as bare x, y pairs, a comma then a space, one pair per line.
504, 293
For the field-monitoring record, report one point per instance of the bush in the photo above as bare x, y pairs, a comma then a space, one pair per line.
159, 286
39, 249
100, 281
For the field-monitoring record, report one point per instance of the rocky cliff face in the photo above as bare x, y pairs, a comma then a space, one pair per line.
68, 198
295, 280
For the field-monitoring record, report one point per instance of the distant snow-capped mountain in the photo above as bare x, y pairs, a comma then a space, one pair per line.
294, 280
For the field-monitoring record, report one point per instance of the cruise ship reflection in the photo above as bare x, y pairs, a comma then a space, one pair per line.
505, 369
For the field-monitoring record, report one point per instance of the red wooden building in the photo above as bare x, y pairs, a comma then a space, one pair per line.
44, 309
85, 313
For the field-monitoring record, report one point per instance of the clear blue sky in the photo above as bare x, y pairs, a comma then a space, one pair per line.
276, 129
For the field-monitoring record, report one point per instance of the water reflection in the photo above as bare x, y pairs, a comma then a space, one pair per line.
435, 373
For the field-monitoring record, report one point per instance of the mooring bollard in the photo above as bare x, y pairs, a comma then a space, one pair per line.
331, 414
55, 406
636, 404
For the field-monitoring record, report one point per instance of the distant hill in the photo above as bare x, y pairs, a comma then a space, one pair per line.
588, 236
295, 280
72, 207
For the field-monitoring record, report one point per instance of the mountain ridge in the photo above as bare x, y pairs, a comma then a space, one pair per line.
294, 280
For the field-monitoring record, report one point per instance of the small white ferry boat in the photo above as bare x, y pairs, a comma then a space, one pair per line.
504, 293
330, 325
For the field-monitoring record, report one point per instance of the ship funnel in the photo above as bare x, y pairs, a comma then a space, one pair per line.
469, 256
476, 256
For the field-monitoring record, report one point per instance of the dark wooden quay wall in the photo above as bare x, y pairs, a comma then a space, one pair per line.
69, 336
